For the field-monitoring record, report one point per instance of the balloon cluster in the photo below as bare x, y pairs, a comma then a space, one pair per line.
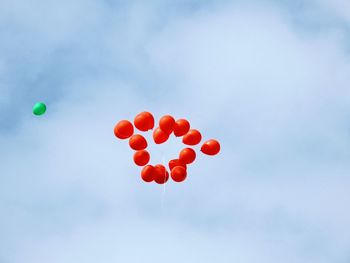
144, 122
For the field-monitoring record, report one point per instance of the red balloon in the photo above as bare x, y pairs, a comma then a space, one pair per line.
147, 173
144, 121
141, 158
211, 147
178, 174
161, 175
123, 129
181, 127
193, 137
176, 162
166, 124
137, 142
187, 155
160, 136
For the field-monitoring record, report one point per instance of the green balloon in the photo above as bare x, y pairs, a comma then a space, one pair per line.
39, 108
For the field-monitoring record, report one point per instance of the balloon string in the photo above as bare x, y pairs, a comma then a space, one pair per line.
163, 192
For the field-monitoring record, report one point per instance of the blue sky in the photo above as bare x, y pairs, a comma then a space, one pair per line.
269, 79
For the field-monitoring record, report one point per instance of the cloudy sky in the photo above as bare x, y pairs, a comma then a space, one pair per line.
270, 79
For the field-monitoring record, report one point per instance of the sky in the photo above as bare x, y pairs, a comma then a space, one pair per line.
269, 79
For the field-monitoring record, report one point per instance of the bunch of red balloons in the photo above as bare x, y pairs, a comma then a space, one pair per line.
144, 122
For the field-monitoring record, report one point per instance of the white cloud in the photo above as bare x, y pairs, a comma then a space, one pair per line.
340, 8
